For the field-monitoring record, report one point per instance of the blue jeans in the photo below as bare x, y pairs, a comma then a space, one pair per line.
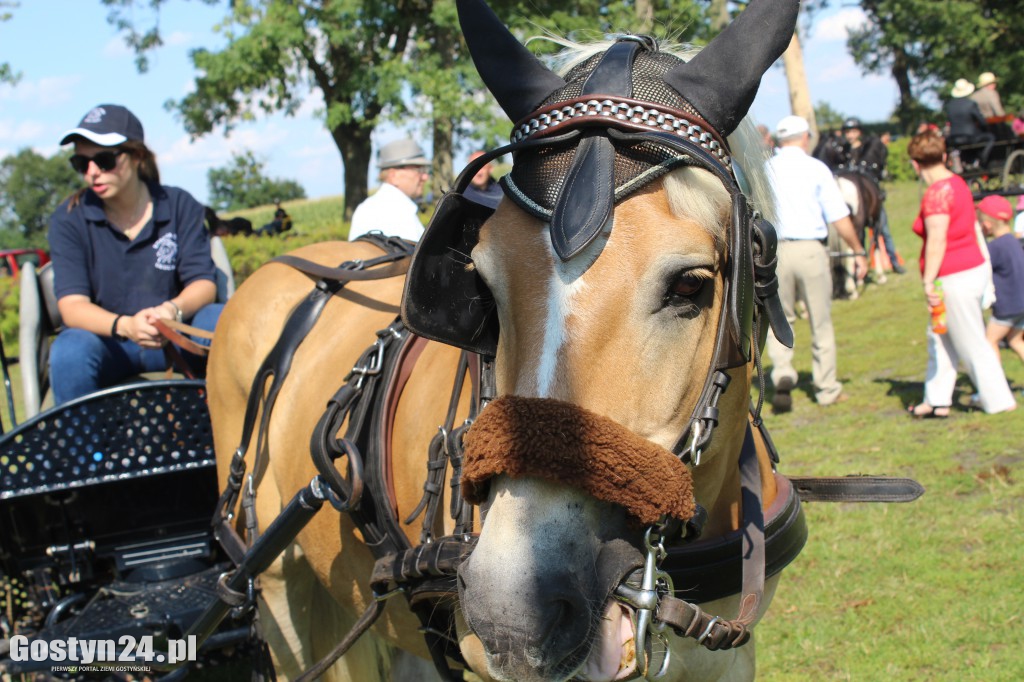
82, 362
885, 236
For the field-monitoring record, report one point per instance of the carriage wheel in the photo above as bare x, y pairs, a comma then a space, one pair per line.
1013, 171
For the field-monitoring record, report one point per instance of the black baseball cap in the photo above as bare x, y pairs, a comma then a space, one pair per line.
108, 125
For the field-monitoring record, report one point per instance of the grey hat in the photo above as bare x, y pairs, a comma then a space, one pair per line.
403, 152
107, 125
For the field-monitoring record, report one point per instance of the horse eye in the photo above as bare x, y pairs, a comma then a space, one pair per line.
684, 287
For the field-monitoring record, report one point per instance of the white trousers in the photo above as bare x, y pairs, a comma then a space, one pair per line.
965, 343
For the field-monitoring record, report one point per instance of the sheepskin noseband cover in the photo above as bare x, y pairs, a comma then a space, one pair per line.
559, 441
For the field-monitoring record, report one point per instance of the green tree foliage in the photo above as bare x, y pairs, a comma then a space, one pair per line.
827, 117
926, 45
351, 51
241, 184
31, 187
7, 74
366, 58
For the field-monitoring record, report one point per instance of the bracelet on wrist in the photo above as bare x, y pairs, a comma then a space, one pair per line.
177, 311
113, 328
862, 253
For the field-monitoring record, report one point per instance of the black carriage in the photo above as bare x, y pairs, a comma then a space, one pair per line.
1004, 171
105, 507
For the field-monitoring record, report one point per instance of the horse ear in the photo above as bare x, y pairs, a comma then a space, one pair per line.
516, 78
722, 79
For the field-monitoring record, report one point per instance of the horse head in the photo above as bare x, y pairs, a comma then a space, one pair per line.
631, 282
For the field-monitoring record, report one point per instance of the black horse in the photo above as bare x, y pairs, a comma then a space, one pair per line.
221, 228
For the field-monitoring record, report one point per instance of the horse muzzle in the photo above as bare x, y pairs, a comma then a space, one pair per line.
569, 493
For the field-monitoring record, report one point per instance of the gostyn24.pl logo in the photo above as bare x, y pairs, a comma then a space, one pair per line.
126, 649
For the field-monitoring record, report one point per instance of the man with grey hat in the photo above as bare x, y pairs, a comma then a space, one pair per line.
807, 200
392, 209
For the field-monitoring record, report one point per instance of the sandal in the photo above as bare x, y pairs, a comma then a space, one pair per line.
926, 411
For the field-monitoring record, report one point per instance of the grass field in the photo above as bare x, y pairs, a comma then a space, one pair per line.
930, 590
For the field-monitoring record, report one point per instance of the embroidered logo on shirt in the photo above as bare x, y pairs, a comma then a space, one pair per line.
166, 252
94, 116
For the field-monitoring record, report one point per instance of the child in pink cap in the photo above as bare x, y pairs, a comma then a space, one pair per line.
1007, 254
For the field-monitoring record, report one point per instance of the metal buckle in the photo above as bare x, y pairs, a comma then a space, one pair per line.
645, 600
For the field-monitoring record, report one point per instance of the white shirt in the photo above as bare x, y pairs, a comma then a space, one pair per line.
390, 211
806, 195
1018, 225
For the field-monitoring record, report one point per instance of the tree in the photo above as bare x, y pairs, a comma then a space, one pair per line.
827, 117
364, 58
7, 74
926, 48
241, 184
31, 187
350, 50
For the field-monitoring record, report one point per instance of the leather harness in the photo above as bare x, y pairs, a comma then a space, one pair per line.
426, 573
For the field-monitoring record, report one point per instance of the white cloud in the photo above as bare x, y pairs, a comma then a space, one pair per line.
178, 38
116, 48
45, 92
836, 26
11, 131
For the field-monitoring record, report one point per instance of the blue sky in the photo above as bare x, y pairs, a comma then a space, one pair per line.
71, 59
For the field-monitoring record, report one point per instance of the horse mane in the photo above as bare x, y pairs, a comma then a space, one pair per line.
745, 142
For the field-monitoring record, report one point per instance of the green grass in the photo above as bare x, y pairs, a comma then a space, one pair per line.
924, 591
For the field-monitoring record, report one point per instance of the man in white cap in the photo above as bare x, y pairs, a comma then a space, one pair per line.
807, 200
392, 209
986, 96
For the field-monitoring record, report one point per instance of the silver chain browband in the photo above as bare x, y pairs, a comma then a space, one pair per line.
632, 115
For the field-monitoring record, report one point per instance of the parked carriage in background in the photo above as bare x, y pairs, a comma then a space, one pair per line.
1004, 171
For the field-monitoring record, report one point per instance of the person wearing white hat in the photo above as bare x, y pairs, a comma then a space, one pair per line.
966, 124
986, 96
807, 200
392, 209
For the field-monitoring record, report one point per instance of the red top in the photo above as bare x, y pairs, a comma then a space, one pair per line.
951, 197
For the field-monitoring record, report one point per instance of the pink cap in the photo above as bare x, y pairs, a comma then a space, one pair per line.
996, 206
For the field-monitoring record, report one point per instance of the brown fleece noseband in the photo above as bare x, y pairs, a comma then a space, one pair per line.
559, 441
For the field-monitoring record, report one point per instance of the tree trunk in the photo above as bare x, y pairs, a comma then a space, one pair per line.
799, 93
644, 16
353, 141
443, 175
907, 110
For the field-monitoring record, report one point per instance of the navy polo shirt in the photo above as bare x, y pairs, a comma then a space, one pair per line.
93, 258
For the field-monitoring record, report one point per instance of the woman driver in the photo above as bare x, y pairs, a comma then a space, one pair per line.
126, 252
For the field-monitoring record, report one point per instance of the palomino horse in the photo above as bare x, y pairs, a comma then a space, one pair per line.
864, 198
618, 297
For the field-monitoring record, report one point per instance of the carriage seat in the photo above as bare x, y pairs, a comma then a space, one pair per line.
39, 319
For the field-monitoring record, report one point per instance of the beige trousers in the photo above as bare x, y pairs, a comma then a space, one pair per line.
804, 273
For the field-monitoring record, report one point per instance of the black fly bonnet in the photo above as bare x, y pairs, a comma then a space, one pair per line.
618, 120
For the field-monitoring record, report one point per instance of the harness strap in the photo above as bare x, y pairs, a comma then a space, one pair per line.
369, 617
276, 366
439, 452
856, 488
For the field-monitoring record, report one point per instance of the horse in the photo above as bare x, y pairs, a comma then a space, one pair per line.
219, 227
598, 334
864, 199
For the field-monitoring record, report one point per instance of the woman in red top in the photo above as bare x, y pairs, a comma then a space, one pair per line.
951, 257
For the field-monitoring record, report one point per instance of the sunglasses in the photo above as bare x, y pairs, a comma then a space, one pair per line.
105, 161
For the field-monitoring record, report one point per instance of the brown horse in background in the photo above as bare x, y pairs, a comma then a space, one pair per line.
864, 198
